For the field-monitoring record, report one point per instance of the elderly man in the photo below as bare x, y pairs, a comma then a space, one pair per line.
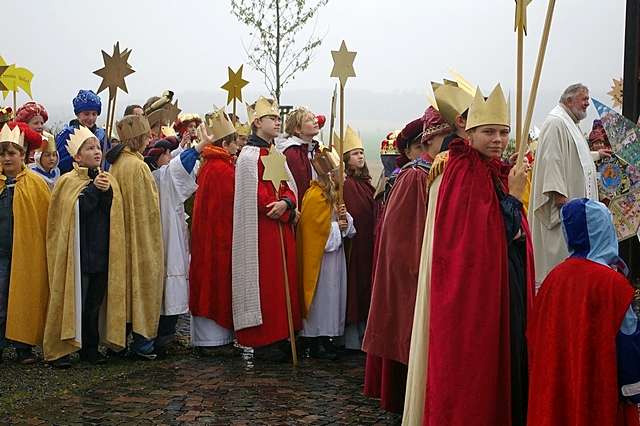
564, 169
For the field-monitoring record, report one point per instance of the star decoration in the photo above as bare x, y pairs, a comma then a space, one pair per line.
116, 68
172, 112
274, 167
234, 85
343, 63
3, 68
521, 14
616, 93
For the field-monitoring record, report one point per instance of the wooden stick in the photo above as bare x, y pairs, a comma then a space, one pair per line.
292, 336
340, 148
536, 81
234, 108
519, 86
15, 103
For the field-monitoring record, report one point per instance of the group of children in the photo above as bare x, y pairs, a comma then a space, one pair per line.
96, 249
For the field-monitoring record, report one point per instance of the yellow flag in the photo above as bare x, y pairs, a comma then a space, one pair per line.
15, 78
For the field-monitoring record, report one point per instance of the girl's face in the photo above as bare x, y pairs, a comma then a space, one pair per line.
191, 128
414, 151
48, 160
36, 123
309, 127
356, 159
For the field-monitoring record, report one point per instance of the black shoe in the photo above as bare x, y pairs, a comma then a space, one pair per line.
116, 354
26, 356
318, 351
271, 353
62, 363
93, 357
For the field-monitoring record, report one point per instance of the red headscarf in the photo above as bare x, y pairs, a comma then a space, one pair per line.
29, 110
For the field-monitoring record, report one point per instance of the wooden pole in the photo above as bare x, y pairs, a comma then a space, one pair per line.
519, 86
15, 102
536, 81
292, 337
340, 148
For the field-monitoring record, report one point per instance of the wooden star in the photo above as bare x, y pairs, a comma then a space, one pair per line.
521, 14
343, 63
274, 167
234, 85
116, 68
616, 92
3, 68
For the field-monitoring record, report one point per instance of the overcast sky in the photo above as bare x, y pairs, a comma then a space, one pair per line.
402, 45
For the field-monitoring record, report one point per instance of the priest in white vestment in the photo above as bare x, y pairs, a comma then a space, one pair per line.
564, 169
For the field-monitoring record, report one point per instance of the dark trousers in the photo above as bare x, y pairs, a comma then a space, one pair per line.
94, 288
5, 277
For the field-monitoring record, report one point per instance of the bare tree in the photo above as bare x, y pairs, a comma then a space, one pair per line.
276, 51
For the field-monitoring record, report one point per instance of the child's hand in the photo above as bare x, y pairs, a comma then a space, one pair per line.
102, 182
343, 225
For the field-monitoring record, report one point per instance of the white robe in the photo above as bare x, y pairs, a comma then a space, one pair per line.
328, 309
175, 186
563, 164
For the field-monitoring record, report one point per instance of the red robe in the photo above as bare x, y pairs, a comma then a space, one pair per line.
275, 326
211, 237
395, 283
300, 166
577, 314
468, 377
358, 198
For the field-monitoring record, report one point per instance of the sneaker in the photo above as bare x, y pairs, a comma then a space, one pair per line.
26, 356
62, 363
143, 357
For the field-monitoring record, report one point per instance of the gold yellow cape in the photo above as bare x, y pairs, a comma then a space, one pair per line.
60, 331
312, 234
28, 286
143, 241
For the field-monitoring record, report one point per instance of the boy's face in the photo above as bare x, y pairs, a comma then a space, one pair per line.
48, 160
11, 159
90, 154
268, 126
36, 123
87, 118
241, 141
231, 147
489, 140
356, 158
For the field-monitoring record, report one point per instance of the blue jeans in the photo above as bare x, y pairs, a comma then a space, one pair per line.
166, 334
5, 278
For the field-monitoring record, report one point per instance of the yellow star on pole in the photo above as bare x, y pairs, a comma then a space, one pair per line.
521, 14
343, 63
116, 68
234, 85
616, 92
274, 167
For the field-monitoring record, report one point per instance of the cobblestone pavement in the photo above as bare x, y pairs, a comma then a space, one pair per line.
188, 389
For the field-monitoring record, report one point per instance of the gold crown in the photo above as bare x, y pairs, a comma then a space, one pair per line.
451, 101
167, 131
219, 124
325, 161
494, 110
77, 138
242, 129
132, 126
14, 136
351, 140
48, 142
158, 116
262, 108
182, 118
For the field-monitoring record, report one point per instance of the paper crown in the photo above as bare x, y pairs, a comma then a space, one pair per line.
351, 140
6, 114
167, 131
451, 100
132, 126
14, 136
77, 138
325, 161
48, 142
183, 120
159, 116
242, 129
262, 108
219, 124
388, 145
494, 110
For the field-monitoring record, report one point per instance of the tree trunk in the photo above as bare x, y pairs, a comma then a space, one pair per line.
278, 51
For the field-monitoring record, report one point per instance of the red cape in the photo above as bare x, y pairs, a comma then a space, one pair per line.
358, 197
211, 238
300, 166
572, 345
469, 343
275, 326
395, 281
386, 379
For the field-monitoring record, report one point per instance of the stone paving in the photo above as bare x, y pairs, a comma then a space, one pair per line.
189, 389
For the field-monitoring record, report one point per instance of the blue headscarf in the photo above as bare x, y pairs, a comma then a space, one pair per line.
588, 230
87, 100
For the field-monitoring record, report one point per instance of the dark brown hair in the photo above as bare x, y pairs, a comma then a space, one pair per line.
228, 139
4, 147
362, 173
